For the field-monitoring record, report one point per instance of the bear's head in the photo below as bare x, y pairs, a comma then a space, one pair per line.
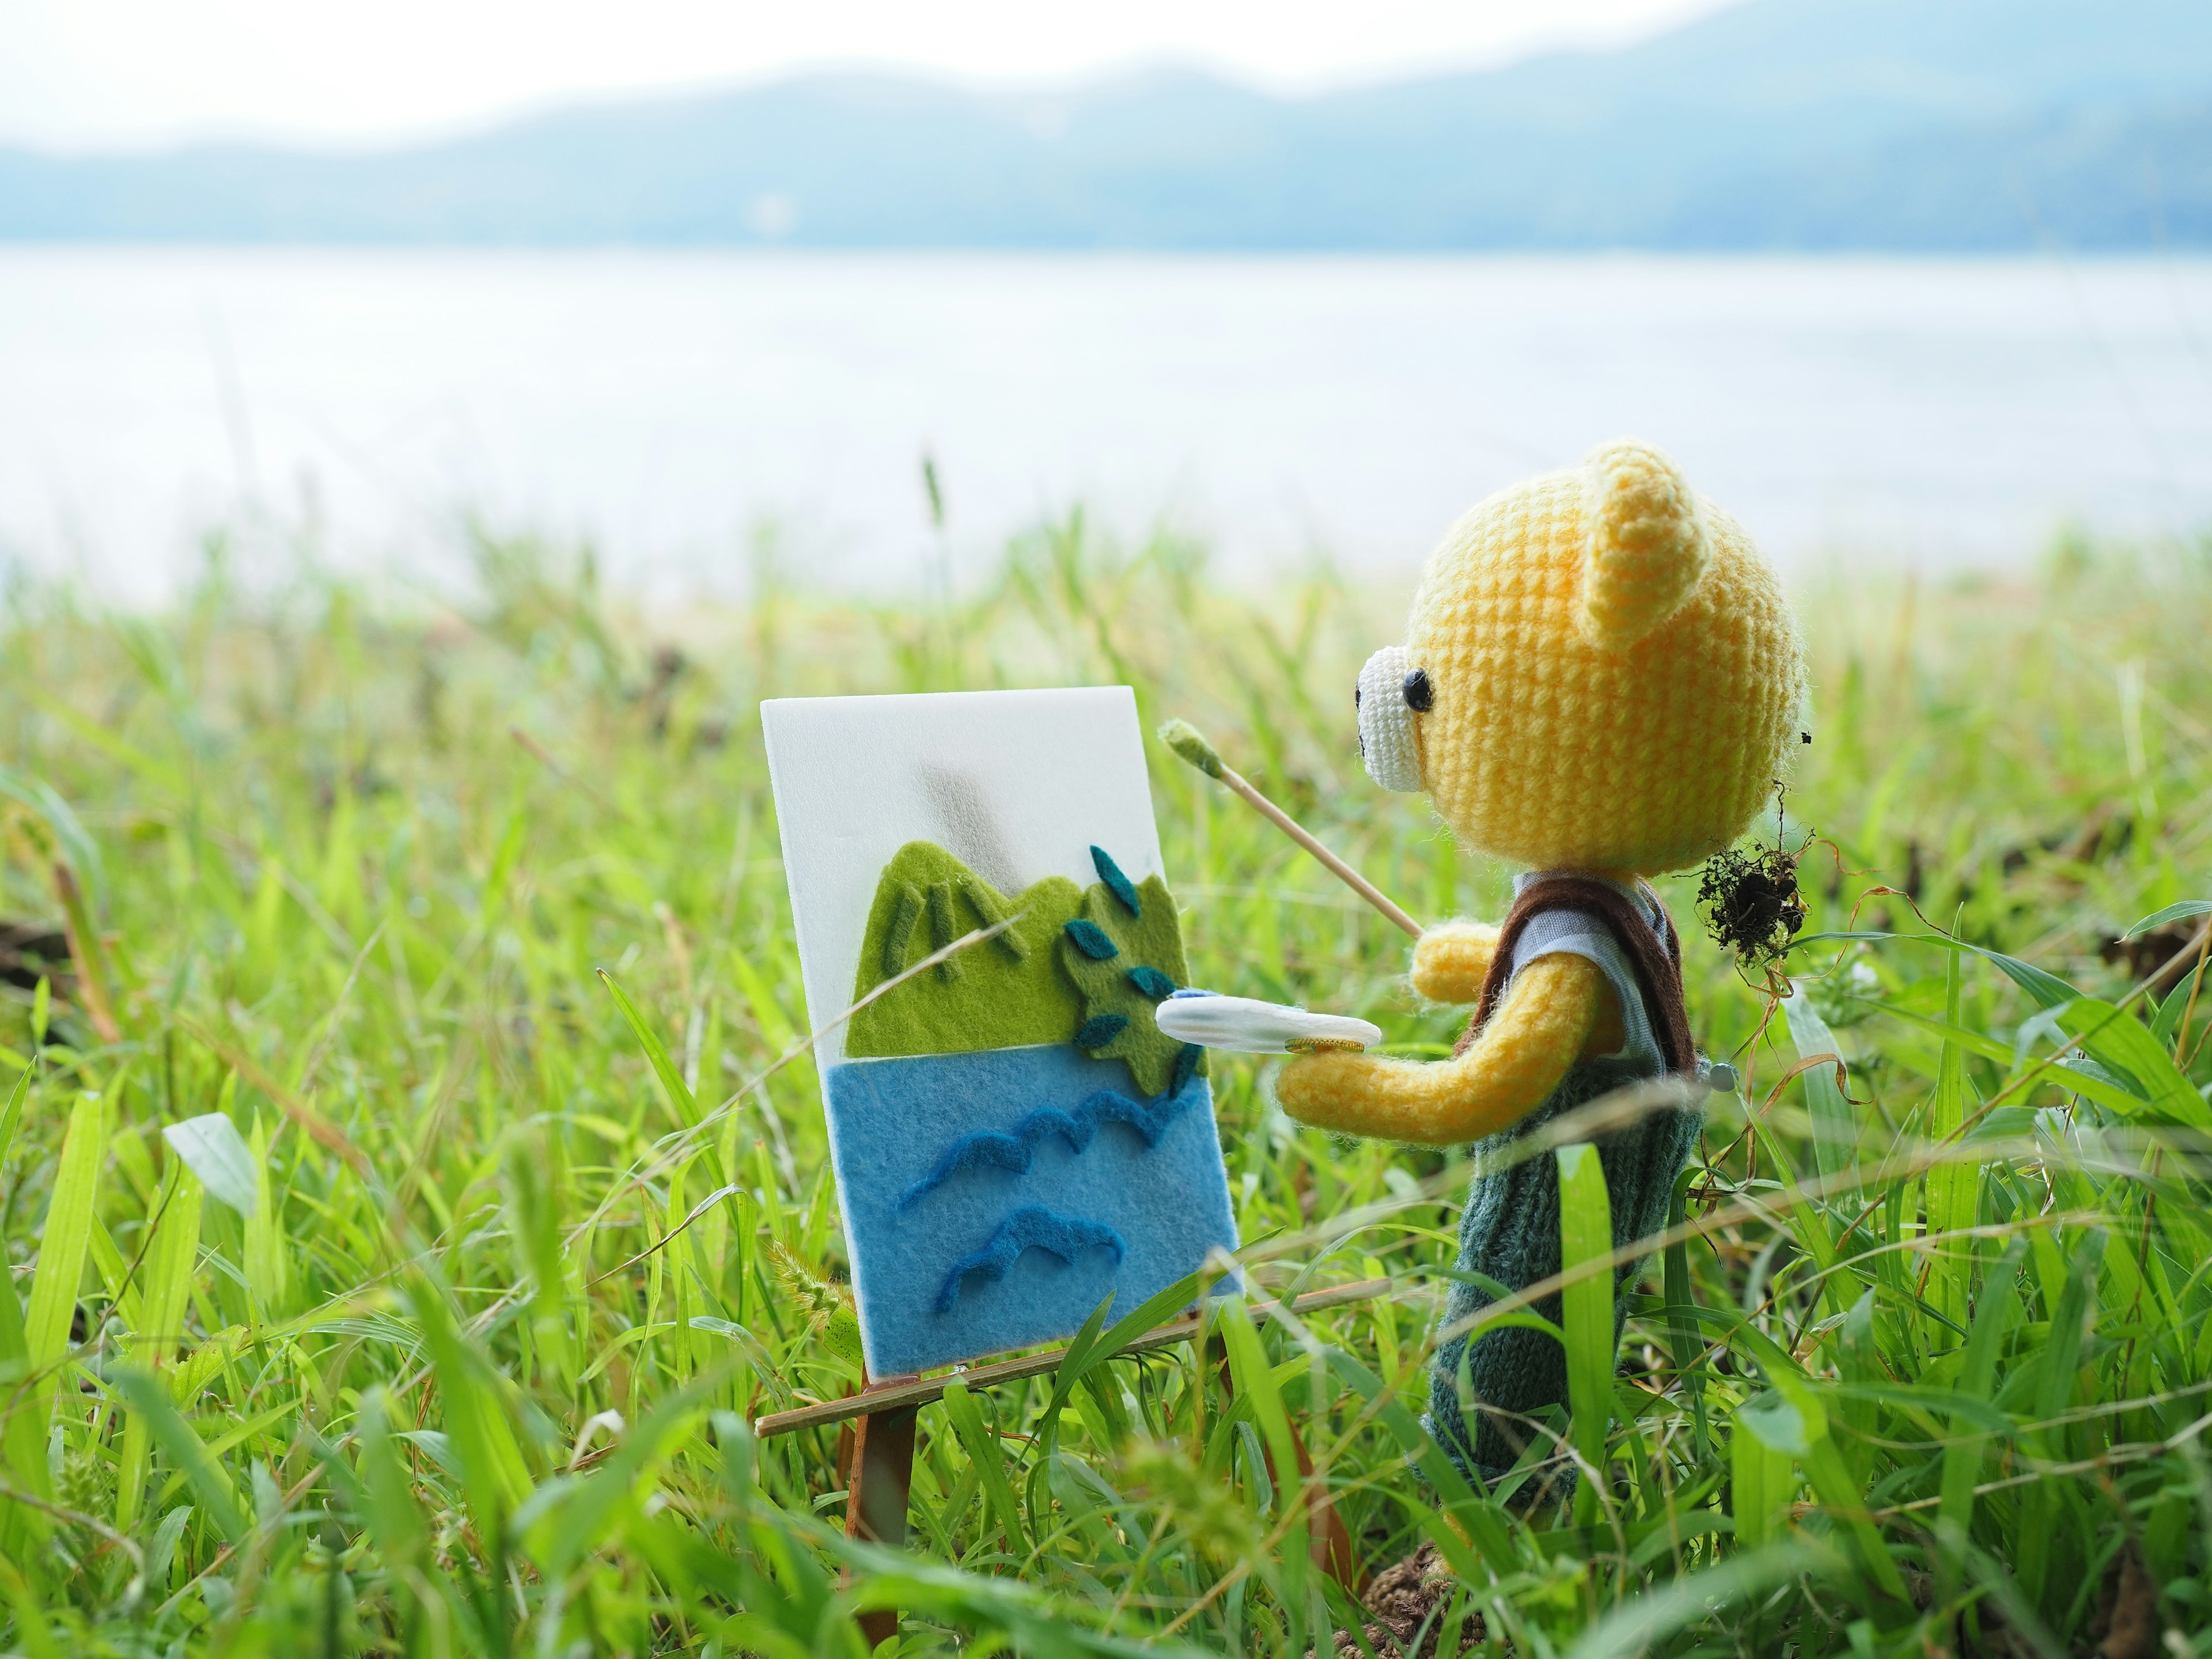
1600, 674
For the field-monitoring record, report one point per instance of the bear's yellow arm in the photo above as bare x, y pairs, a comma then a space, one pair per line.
1451, 959
1559, 1007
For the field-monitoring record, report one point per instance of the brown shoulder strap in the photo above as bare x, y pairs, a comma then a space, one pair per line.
1658, 964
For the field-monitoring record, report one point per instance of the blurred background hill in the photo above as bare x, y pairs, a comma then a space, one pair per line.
1815, 125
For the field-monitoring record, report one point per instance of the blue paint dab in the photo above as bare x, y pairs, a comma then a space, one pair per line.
1100, 1029
1091, 938
1031, 1227
1012, 1149
1117, 883
1152, 983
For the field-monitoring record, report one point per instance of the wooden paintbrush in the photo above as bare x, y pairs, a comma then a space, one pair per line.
1190, 743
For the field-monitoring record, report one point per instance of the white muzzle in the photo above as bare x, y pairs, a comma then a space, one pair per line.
1386, 724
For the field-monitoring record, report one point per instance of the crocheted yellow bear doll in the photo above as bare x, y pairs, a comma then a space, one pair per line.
1600, 681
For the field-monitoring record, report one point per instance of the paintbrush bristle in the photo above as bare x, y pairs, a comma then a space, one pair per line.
1188, 741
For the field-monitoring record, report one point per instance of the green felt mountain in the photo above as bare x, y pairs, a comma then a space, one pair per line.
1007, 993
1078, 965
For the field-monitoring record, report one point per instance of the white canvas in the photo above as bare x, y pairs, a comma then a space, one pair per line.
1018, 785
994, 1192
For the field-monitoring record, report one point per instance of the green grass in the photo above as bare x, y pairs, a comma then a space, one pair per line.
470, 926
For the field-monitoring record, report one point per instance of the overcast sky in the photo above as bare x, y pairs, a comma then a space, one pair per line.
101, 73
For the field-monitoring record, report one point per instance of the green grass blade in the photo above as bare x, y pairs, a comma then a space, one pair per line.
1835, 1125
1815, 1231
22, 1435
169, 1268
1951, 1185
1149, 1314
268, 1269
988, 1458
170, 1261
589, 1509
1643, 1624
476, 1420
1073, 1364
31, 1629
1767, 1438
2117, 1039
1973, 1042
2178, 912
656, 1054
1462, 1516
396, 1520
2048, 989
2166, 1024
2054, 1370
184, 1450
1824, 1467
1681, 1299
1963, 1460
63, 1246
12, 1114
1255, 1383
1586, 1312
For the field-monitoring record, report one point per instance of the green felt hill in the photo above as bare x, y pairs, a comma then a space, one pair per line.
1078, 965
1005, 994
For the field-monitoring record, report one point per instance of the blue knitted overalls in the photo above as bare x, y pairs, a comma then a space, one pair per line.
1510, 1232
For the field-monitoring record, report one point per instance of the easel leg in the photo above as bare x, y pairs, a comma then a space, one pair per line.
881, 1481
1328, 1541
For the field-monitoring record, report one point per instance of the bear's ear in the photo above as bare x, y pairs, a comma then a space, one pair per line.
1647, 547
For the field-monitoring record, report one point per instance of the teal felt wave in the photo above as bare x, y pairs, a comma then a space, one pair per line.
1013, 1148
891, 1122
1032, 1227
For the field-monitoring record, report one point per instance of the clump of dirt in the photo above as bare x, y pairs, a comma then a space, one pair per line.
1750, 903
1416, 1592
31, 950
2127, 1623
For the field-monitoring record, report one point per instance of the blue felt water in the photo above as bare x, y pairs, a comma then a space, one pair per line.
891, 1121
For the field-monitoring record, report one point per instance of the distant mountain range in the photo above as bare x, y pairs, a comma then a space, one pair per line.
1958, 125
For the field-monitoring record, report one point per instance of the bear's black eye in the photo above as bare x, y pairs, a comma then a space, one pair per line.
1418, 693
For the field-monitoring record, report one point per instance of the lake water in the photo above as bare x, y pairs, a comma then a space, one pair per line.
671, 404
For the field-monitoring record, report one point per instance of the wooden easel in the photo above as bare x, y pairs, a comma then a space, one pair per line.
878, 1466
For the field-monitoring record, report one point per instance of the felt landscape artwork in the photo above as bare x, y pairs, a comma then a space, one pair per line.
1014, 1138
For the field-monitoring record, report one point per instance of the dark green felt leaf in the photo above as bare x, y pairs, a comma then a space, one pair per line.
944, 926
1151, 982
1149, 940
1100, 1029
1093, 941
1186, 1065
898, 931
1117, 883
